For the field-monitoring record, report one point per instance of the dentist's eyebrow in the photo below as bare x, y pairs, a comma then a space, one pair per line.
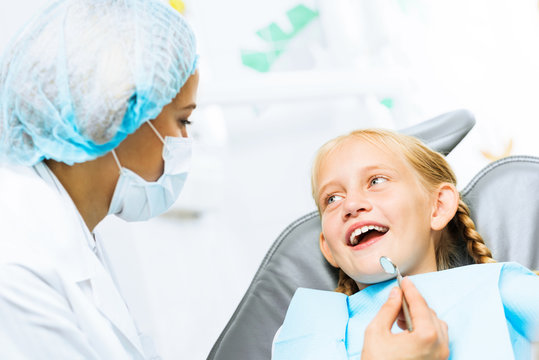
192, 106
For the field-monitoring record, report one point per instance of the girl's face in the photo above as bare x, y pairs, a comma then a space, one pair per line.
372, 205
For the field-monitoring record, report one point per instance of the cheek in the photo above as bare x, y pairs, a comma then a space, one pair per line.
410, 211
330, 227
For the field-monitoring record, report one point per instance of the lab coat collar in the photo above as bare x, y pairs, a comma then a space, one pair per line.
48, 176
110, 303
71, 251
79, 259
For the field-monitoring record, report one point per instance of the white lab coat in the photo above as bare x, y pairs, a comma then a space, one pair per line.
57, 300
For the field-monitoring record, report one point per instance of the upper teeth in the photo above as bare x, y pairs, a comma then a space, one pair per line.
354, 237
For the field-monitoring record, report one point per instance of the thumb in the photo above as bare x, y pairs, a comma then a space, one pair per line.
387, 315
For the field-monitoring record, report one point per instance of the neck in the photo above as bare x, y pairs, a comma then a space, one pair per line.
90, 185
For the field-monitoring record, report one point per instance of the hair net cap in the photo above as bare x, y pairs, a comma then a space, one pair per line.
84, 74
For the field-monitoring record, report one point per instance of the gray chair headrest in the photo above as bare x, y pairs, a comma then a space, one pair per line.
443, 132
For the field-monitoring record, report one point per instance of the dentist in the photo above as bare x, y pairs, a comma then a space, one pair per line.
95, 99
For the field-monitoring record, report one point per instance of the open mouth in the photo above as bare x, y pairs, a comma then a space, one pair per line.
365, 233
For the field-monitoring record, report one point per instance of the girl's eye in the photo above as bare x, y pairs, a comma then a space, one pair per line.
378, 180
333, 198
185, 122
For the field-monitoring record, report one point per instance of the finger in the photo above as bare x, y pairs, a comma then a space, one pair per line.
402, 324
438, 324
401, 321
446, 331
443, 330
389, 311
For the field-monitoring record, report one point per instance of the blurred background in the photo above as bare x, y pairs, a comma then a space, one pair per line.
279, 78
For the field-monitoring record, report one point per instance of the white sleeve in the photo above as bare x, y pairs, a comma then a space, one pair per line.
36, 320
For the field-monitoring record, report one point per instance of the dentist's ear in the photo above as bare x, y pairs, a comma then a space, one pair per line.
446, 203
326, 251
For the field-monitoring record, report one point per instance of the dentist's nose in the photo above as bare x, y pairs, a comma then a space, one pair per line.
355, 205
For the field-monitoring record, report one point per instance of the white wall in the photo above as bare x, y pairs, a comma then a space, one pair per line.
185, 272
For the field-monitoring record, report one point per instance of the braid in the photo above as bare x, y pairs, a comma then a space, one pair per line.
475, 244
346, 284
463, 245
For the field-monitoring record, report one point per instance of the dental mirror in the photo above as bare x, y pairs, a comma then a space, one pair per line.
392, 269
388, 265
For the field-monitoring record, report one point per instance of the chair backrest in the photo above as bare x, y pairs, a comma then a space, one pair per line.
295, 260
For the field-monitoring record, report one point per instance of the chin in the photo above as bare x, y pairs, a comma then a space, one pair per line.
372, 278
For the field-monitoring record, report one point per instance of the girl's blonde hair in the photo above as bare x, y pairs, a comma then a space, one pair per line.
460, 244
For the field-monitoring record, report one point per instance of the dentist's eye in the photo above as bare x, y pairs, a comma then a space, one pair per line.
333, 198
185, 122
377, 180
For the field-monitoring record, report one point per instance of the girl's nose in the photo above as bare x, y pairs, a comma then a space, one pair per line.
355, 205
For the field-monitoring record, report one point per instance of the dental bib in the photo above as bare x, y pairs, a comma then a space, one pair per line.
492, 312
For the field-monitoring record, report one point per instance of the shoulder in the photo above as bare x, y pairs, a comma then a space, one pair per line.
33, 217
306, 294
515, 281
312, 300
512, 279
514, 269
18, 281
316, 310
23, 191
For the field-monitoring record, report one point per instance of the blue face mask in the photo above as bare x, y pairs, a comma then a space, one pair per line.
136, 199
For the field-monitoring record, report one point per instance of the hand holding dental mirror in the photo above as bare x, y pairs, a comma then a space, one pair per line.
392, 269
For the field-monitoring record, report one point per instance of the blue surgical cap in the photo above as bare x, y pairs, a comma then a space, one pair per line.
84, 74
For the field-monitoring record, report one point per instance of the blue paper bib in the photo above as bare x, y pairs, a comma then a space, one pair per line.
492, 312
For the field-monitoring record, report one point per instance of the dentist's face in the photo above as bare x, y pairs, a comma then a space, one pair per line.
372, 205
142, 151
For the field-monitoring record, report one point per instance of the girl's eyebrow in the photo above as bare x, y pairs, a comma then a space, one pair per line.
371, 168
331, 183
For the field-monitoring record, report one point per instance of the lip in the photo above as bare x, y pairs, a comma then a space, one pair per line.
360, 225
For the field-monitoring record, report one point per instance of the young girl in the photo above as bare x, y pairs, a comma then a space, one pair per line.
385, 194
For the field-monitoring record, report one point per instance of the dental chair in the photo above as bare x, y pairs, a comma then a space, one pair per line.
500, 204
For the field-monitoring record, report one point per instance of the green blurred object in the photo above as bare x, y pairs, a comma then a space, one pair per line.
387, 102
299, 17
261, 61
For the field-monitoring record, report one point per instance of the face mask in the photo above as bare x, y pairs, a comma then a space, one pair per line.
136, 199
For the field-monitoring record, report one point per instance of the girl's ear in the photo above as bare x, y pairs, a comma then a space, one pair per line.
445, 207
326, 251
